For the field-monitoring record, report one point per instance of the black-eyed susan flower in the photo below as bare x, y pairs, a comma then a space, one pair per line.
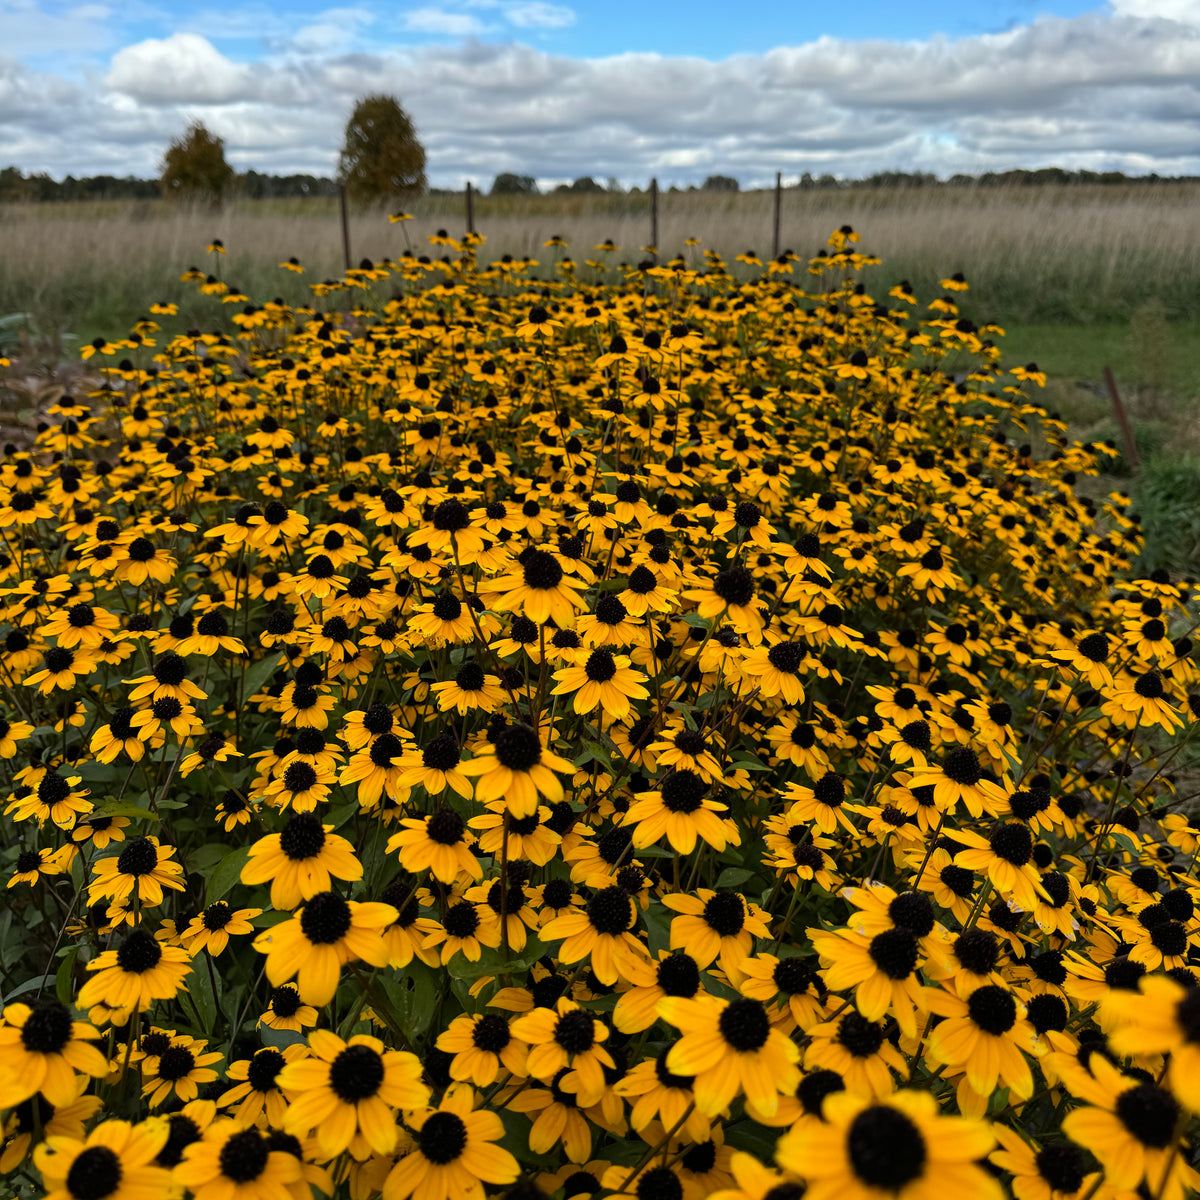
466, 928
659, 1095
439, 843
1161, 1017
1130, 1126
232, 1161
300, 861
674, 974
142, 869
351, 1088
286, 1011
178, 1070
38, 1116
434, 767
880, 969
132, 977
1142, 700
1055, 1171
116, 1161
821, 804
455, 1152
566, 1036
482, 1045
602, 680
901, 1147
211, 930
680, 811
525, 838
1089, 657
471, 689
32, 866
1006, 856
986, 1036
541, 590
959, 779
730, 1049
256, 1094
313, 946
376, 768
517, 768
716, 924
62, 668
42, 1048
777, 670
601, 933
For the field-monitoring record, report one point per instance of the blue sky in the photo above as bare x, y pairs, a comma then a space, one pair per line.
585, 28
623, 88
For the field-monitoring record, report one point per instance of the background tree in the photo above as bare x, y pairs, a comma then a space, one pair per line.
382, 157
720, 183
585, 184
507, 184
194, 167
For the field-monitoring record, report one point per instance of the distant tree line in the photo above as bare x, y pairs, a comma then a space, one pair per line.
406, 175
38, 186
1018, 178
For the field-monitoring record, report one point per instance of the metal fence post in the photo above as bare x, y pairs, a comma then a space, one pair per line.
778, 203
654, 216
345, 226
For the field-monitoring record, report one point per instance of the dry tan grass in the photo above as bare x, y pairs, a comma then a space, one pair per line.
1044, 253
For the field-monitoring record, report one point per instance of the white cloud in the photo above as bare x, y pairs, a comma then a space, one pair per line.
26, 29
333, 31
437, 20
1187, 11
1102, 91
182, 69
536, 14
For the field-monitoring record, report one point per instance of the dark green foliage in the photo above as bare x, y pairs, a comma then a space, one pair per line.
382, 158
507, 184
194, 167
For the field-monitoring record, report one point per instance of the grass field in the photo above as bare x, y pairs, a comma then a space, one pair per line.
1080, 277
1035, 256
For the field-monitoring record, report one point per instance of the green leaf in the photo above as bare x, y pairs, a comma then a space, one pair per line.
225, 874
696, 621
97, 772
133, 811
280, 1039
206, 1000
412, 993
259, 674
493, 962
206, 856
733, 877
658, 927
750, 764
30, 985
753, 1138
63, 980
337, 817
517, 1127
597, 753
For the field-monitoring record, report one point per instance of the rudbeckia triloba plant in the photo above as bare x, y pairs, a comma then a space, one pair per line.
589, 730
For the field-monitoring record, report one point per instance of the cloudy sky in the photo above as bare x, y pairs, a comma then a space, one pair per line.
628, 88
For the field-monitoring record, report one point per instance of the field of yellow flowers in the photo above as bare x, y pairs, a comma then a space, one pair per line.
624, 733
